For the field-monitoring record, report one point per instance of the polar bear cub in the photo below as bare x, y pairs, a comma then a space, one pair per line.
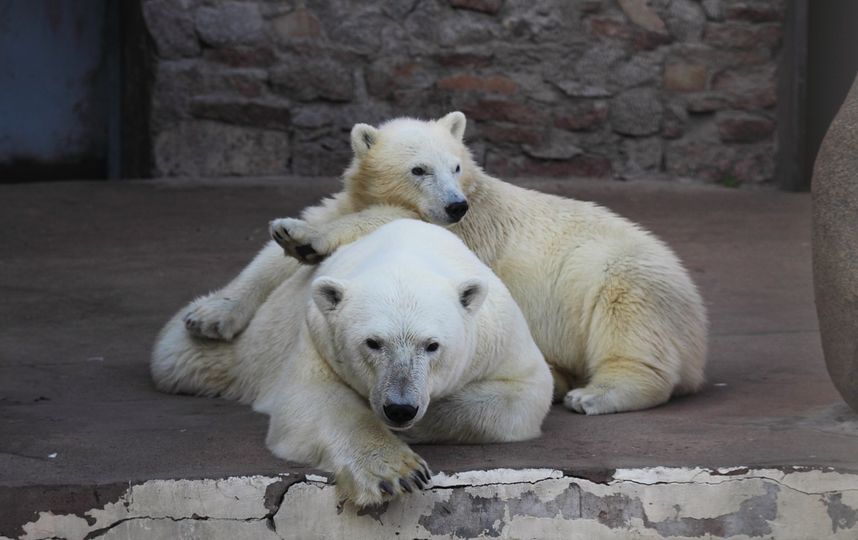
402, 335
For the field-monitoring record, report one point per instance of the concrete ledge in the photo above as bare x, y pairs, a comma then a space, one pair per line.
797, 503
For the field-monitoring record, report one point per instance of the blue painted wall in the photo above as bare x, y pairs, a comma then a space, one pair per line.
53, 94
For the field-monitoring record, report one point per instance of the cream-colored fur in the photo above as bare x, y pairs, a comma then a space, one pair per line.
447, 338
611, 307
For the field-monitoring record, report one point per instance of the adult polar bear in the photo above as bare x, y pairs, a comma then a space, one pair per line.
611, 307
406, 319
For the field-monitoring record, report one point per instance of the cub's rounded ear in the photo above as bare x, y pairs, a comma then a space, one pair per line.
328, 293
456, 123
472, 292
363, 137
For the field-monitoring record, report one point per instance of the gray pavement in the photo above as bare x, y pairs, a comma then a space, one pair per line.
89, 271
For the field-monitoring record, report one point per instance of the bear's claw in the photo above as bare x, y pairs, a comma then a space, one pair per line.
214, 317
298, 239
590, 400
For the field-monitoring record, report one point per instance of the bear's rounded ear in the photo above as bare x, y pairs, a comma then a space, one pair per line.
456, 123
363, 137
328, 293
472, 292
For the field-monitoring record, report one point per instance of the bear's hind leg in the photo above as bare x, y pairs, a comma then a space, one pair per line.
632, 357
620, 384
182, 364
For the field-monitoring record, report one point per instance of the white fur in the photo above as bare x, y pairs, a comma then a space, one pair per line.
611, 307
304, 359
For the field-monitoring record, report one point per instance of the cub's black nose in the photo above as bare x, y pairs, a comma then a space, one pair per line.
456, 210
398, 413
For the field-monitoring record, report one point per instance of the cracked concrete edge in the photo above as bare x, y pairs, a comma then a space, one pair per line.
660, 502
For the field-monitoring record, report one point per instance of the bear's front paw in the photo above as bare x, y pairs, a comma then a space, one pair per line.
299, 240
380, 475
214, 317
590, 400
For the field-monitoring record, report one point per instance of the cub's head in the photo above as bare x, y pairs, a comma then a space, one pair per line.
419, 165
396, 343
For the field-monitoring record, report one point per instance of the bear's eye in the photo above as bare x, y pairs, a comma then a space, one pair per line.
458, 168
418, 171
432, 347
373, 344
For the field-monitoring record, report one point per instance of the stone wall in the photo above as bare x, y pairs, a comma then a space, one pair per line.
621, 88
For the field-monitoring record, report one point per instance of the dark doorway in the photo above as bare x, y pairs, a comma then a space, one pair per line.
58, 87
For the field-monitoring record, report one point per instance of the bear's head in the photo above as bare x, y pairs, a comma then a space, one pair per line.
397, 342
415, 164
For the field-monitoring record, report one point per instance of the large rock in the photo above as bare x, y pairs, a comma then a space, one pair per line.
835, 247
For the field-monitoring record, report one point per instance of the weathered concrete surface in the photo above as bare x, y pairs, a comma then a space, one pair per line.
835, 246
90, 271
536, 503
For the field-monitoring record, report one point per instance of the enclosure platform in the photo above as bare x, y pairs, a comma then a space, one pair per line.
89, 271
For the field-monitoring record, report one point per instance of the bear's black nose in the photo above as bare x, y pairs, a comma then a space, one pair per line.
456, 210
400, 413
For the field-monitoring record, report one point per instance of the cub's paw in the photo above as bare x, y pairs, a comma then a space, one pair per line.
380, 475
590, 400
214, 317
298, 239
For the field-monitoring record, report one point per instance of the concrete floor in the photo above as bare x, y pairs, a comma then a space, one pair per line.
89, 271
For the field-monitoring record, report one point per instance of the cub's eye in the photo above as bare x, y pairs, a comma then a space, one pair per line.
432, 347
458, 168
418, 171
373, 344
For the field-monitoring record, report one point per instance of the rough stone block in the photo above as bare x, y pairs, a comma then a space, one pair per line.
636, 112
583, 165
242, 56
177, 83
610, 27
701, 155
714, 9
706, 102
755, 12
640, 13
744, 127
682, 76
229, 23
204, 148
494, 84
640, 156
583, 117
263, 114
458, 59
560, 145
673, 124
506, 133
308, 79
328, 155
742, 35
387, 75
748, 87
484, 6
172, 29
501, 110
297, 25
641, 69
574, 88
685, 20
